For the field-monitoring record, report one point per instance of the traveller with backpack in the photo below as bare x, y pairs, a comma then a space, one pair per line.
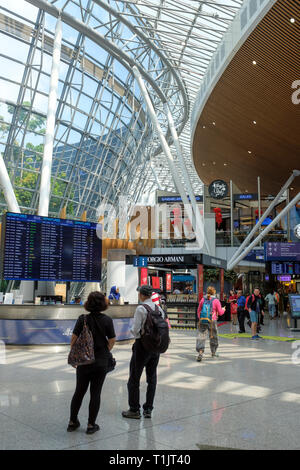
241, 302
92, 340
151, 333
208, 311
255, 305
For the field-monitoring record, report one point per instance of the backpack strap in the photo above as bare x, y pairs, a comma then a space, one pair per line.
149, 309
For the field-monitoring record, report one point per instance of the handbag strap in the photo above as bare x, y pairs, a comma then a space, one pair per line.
100, 329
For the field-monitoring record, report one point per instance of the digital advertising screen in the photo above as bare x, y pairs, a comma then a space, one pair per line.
295, 305
36, 248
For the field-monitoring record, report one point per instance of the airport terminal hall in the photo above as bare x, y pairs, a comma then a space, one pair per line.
149, 228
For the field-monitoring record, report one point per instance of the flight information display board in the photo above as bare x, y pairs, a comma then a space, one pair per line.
285, 267
39, 248
282, 251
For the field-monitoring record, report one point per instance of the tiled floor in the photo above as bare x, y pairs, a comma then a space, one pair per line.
248, 398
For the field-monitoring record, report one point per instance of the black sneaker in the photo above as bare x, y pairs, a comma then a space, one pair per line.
73, 427
147, 413
131, 414
91, 430
199, 358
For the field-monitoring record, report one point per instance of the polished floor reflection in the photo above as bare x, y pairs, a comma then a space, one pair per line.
247, 398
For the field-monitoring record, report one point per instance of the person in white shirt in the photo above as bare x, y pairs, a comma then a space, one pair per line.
142, 359
271, 298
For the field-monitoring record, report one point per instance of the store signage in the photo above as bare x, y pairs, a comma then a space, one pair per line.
245, 197
212, 261
166, 259
140, 261
284, 278
179, 259
218, 189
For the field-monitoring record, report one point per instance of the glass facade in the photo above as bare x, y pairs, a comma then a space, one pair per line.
104, 143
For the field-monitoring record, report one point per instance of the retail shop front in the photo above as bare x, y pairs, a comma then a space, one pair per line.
180, 278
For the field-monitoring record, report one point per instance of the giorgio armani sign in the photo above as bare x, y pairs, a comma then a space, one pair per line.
166, 259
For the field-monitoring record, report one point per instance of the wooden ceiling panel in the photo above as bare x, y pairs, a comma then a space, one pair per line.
261, 93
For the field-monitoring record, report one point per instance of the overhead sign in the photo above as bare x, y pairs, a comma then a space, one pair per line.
245, 197
180, 259
218, 189
282, 251
257, 256
177, 198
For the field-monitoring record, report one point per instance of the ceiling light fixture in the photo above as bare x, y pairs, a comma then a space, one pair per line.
254, 62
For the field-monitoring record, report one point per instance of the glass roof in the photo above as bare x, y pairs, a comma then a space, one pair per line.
105, 144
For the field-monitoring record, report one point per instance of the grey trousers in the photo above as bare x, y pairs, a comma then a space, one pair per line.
204, 330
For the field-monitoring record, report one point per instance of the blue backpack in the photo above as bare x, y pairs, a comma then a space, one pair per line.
206, 311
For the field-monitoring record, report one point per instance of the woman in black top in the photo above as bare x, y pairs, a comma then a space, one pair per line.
102, 329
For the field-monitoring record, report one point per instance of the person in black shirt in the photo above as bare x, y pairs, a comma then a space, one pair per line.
102, 329
256, 306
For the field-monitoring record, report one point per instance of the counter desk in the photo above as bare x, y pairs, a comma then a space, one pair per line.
53, 324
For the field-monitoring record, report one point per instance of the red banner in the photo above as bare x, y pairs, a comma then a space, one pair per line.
169, 282
144, 276
221, 284
155, 282
200, 281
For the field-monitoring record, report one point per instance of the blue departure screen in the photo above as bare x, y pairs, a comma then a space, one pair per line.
49, 249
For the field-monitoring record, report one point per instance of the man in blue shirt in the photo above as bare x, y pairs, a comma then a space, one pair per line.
241, 302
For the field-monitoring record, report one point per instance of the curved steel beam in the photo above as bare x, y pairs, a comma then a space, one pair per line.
99, 39
146, 40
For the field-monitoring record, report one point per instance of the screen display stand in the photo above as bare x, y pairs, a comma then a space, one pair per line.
295, 326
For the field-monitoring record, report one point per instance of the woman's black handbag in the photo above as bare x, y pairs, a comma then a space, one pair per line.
111, 363
111, 360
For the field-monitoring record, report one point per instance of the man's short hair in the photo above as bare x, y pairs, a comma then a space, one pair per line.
145, 290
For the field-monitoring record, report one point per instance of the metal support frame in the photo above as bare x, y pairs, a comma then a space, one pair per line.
231, 213
8, 190
288, 221
45, 186
259, 201
233, 263
199, 232
266, 213
185, 175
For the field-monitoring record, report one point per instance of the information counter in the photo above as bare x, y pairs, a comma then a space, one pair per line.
53, 324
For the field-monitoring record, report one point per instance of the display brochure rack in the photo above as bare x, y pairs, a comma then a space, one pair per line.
182, 310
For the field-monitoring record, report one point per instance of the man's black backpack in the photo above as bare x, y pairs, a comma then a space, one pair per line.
156, 337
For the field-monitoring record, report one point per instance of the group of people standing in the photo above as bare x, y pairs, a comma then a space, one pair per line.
93, 375
101, 326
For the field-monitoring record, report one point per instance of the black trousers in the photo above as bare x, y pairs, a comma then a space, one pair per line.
242, 314
141, 359
94, 376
